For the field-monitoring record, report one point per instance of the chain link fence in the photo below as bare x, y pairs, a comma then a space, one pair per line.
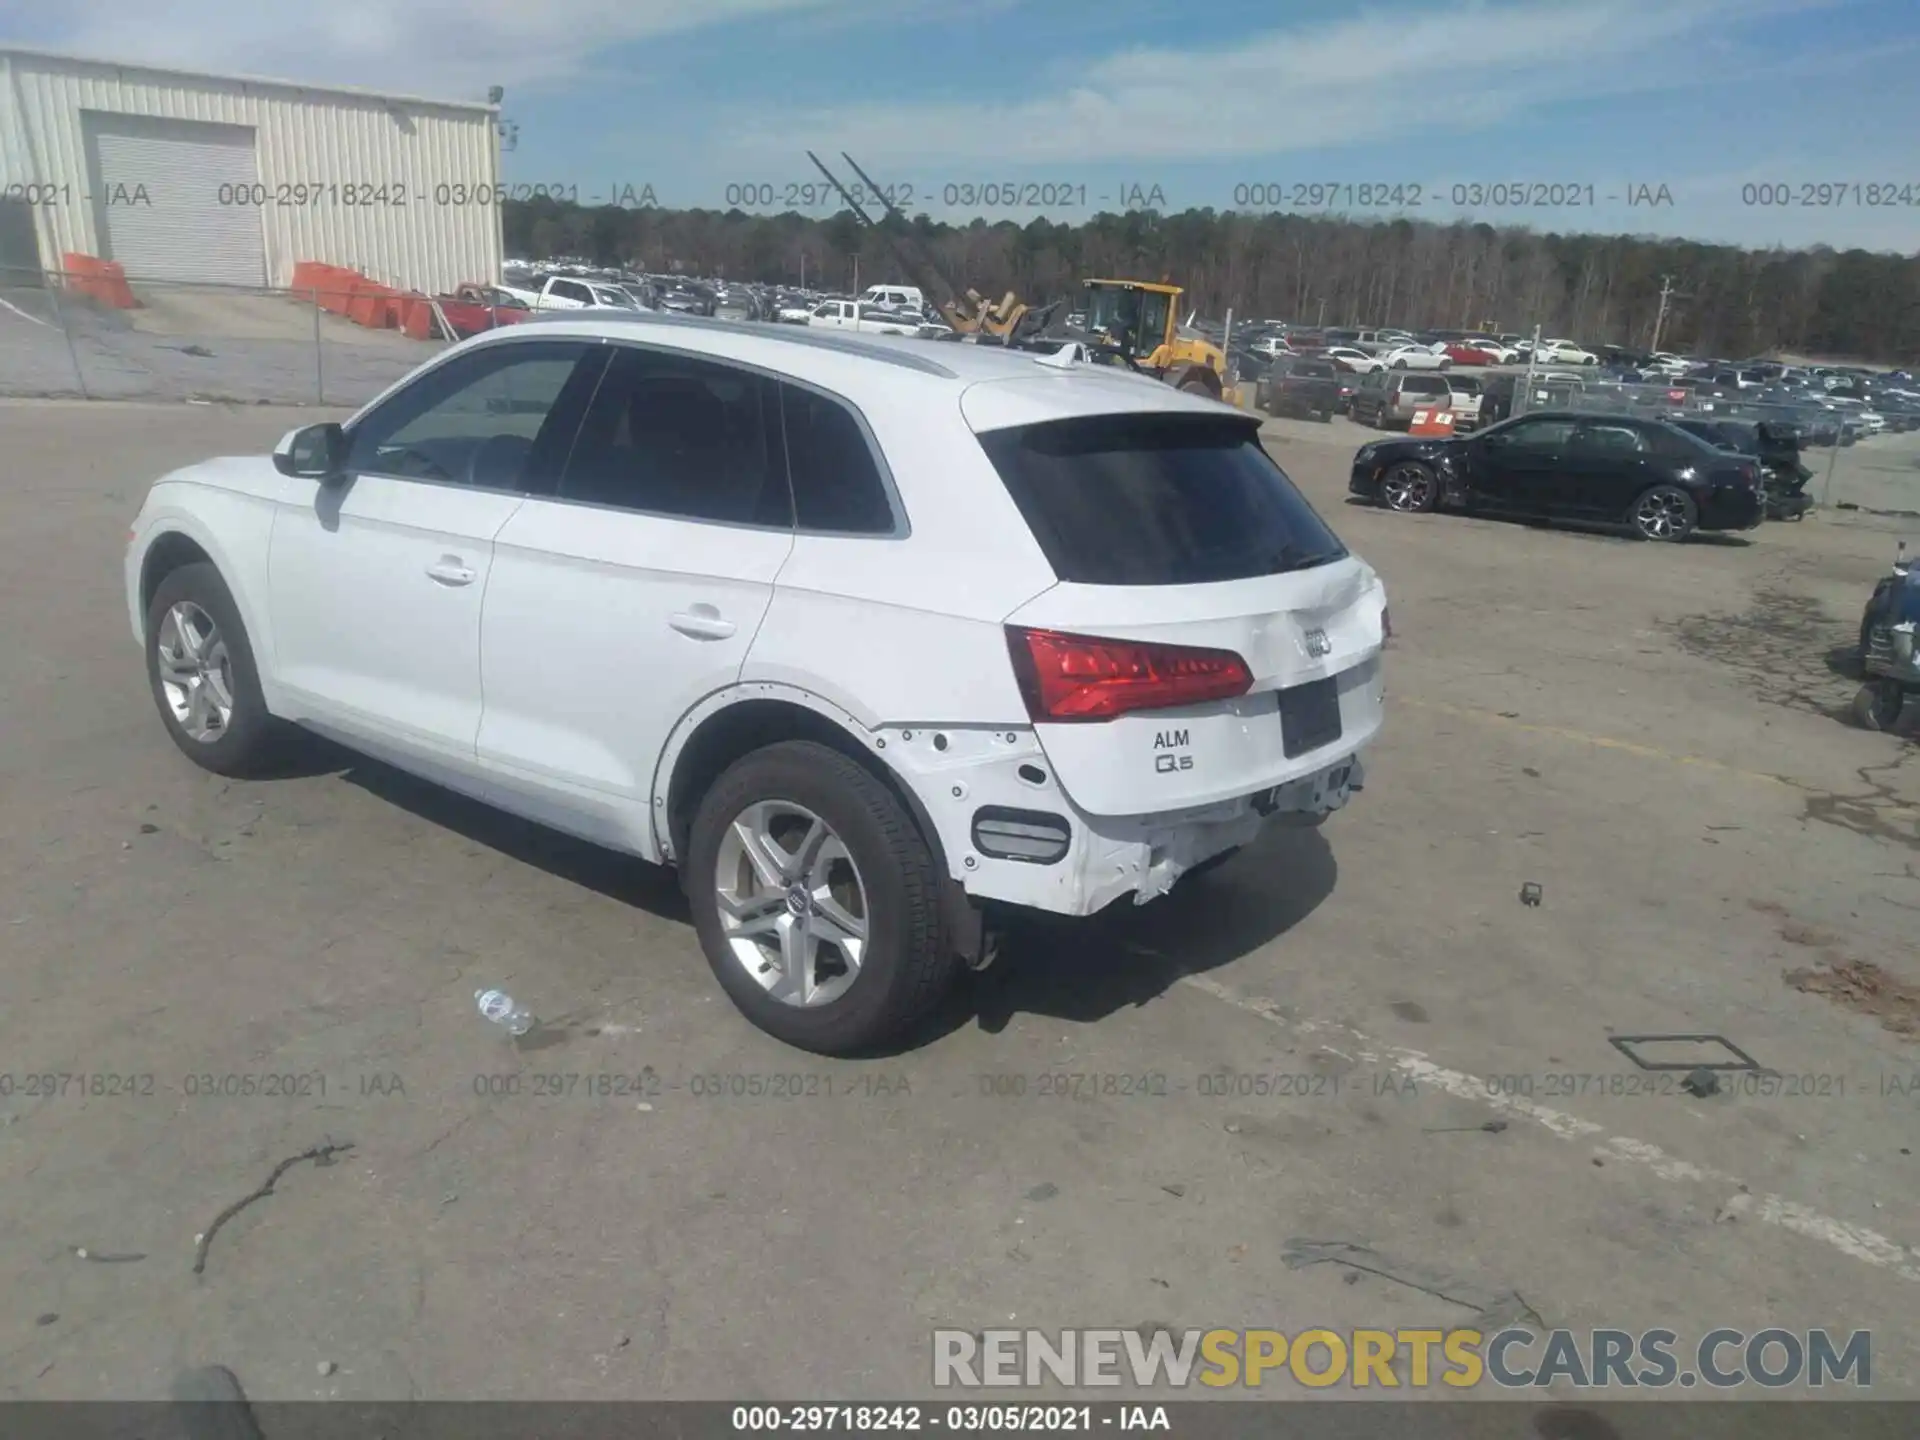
1655, 400
59, 338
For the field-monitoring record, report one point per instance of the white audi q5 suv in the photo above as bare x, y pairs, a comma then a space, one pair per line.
868, 637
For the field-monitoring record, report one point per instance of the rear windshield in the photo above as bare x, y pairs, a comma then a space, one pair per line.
1160, 499
1422, 386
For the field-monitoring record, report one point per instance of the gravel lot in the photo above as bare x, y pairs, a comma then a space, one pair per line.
1647, 733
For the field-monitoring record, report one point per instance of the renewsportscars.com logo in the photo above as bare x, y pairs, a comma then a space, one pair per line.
1317, 1359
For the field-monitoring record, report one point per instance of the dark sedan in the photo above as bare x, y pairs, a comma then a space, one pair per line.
1660, 482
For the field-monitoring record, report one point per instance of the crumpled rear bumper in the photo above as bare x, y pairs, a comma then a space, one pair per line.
1112, 857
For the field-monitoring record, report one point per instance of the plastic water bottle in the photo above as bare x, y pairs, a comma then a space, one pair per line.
504, 1011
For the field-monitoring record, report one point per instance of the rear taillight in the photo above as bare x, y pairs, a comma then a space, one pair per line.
1078, 677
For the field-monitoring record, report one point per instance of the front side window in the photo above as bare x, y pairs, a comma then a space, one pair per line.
1543, 434
478, 420
667, 434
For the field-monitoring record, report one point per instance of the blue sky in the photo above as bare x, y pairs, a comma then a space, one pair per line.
1730, 105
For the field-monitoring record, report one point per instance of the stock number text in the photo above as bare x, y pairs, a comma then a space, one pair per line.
1328, 195
1823, 194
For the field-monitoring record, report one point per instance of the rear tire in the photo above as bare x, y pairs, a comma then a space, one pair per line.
905, 964
1663, 512
1877, 705
201, 671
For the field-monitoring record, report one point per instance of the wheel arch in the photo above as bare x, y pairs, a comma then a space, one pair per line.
734, 722
169, 551
731, 723
174, 537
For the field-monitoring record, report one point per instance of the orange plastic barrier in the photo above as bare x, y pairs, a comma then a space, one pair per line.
102, 280
1431, 422
348, 293
416, 318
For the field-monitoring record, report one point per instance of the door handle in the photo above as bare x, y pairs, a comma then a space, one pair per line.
448, 570
702, 622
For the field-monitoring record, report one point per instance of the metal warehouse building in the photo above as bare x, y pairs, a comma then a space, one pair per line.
232, 180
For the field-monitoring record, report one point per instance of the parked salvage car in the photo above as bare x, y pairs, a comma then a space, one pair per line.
1471, 352
1660, 482
1135, 645
1304, 387
1563, 352
1357, 362
1775, 444
1388, 400
1467, 398
1889, 656
474, 309
1416, 357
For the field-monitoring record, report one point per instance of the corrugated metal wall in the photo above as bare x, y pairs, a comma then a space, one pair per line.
303, 137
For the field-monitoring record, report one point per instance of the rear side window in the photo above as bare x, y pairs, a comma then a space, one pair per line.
1601, 439
670, 435
1158, 499
836, 484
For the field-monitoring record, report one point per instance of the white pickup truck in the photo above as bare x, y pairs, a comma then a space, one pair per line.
564, 292
853, 315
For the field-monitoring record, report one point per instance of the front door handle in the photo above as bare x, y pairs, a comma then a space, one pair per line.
449, 570
702, 622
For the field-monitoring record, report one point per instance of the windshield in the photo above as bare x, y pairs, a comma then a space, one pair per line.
1122, 313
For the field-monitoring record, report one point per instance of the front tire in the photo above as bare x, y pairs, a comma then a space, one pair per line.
201, 671
1410, 488
817, 901
1665, 513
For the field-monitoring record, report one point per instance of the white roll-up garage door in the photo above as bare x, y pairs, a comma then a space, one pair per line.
158, 199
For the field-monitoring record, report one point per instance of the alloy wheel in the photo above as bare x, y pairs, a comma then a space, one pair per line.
1407, 488
1660, 515
792, 905
196, 672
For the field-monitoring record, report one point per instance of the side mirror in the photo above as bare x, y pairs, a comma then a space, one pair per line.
313, 452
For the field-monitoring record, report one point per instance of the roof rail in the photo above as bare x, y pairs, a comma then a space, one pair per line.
843, 344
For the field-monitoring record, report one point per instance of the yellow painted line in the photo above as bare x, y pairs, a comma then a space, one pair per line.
1629, 747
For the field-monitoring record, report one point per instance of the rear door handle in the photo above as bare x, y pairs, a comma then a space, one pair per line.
702, 622
450, 570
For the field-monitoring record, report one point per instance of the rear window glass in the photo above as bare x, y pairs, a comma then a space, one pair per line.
1423, 387
1158, 500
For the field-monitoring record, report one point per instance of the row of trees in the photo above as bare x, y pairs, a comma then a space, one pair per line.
1308, 269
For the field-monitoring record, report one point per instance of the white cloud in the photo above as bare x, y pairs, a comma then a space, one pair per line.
1371, 77
452, 48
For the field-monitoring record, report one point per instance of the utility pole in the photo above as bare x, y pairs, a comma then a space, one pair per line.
1660, 317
